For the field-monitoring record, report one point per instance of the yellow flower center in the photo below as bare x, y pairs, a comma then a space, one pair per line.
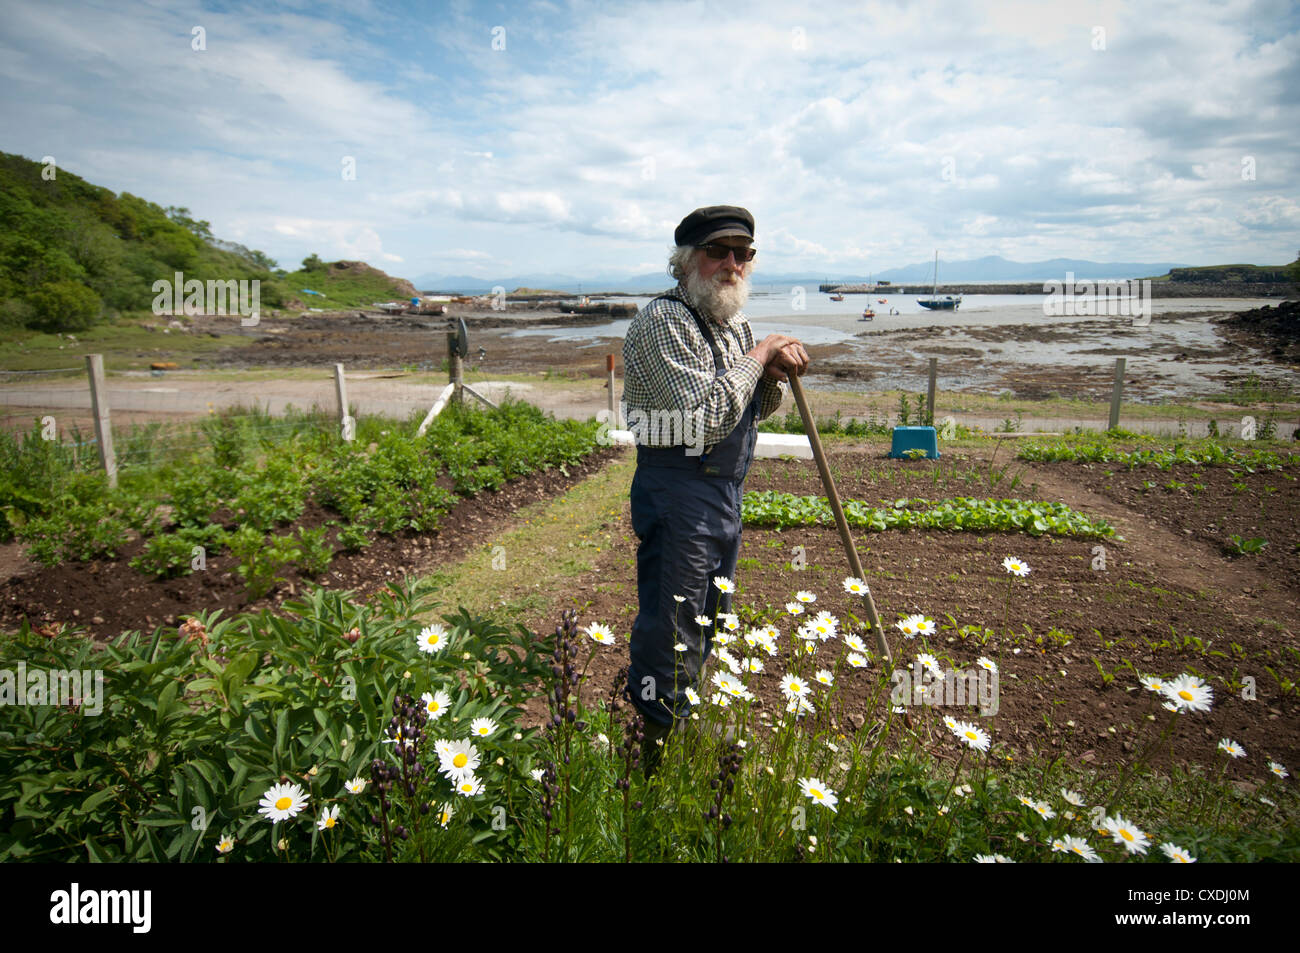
1125, 834
467, 786
816, 793
329, 822
460, 760
1185, 695
972, 736
283, 803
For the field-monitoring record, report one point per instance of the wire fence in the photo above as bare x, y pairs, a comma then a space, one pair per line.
162, 416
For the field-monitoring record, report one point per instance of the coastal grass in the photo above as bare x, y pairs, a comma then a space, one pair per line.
128, 343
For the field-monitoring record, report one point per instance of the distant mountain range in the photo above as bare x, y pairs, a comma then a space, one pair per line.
988, 268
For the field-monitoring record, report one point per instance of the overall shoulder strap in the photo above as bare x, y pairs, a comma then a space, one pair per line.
719, 365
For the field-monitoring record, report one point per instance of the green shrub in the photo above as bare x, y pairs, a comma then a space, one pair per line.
63, 306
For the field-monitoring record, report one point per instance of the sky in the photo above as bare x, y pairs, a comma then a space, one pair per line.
496, 139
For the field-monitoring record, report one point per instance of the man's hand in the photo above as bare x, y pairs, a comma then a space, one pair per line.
790, 358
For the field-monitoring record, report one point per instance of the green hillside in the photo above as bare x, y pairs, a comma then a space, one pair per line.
74, 254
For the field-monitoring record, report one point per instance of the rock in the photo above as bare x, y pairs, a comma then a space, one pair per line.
97, 620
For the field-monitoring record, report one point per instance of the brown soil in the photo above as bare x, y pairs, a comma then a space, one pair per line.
110, 597
1167, 580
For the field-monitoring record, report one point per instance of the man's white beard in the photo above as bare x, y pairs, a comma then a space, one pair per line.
719, 302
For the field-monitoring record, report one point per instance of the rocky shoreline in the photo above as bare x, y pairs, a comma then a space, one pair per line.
1159, 289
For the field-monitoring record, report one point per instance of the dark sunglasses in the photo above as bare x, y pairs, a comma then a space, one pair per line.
720, 252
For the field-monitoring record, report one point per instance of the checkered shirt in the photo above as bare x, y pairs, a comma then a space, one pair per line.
668, 365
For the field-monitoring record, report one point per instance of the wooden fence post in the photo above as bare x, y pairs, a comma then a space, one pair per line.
1117, 394
613, 411
455, 368
99, 410
934, 375
348, 424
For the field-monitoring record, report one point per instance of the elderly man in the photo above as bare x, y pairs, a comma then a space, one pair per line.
695, 386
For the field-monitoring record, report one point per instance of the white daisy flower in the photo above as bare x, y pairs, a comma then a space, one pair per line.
355, 786
1189, 693
1015, 566
974, 736
679, 599
854, 643
907, 627
730, 621
792, 686
987, 664
459, 762
804, 596
824, 677
724, 584
1231, 748
855, 586
721, 699
282, 801
225, 845
436, 704
801, 705
930, 664
432, 638
723, 638
1153, 683
445, 814
482, 727
752, 665
815, 791
729, 660
857, 661
1077, 846
1278, 769
703, 620
692, 696
925, 626
679, 647
537, 774
469, 786
600, 633
1127, 833
328, 818
730, 685
1177, 854
1044, 810
1072, 797
794, 608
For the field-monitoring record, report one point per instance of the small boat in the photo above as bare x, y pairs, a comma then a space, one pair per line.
934, 302
867, 315
837, 297
880, 301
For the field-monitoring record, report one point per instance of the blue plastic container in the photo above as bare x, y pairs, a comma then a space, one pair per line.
915, 438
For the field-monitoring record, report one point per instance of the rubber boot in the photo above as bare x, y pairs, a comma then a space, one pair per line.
652, 751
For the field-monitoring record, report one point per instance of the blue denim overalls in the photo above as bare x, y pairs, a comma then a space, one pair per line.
686, 513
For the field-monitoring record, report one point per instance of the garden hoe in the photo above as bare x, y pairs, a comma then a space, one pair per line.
810, 427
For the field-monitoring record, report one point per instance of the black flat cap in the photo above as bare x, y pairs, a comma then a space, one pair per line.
716, 221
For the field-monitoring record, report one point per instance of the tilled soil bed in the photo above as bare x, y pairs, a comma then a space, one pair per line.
109, 597
1071, 638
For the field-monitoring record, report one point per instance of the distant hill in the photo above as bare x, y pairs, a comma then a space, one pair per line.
73, 254
989, 268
